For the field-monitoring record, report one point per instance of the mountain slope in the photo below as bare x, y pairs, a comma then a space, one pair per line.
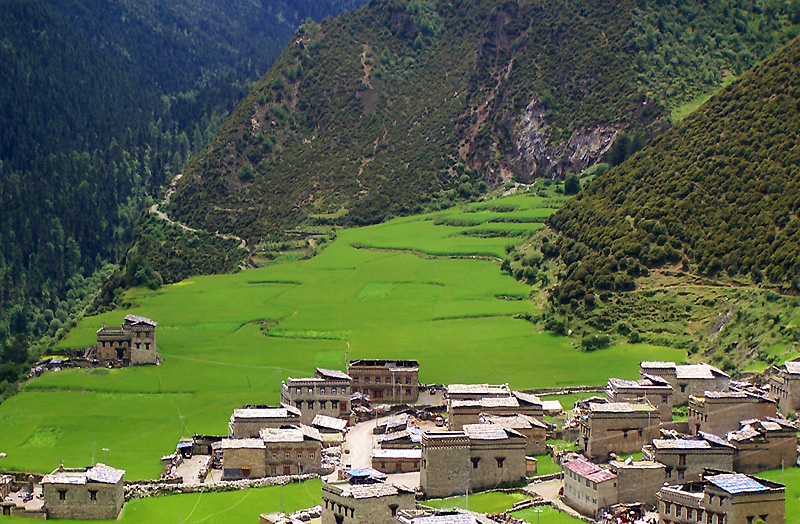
720, 191
406, 103
693, 241
102, 101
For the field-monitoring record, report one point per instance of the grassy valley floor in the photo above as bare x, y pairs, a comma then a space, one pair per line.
427, 287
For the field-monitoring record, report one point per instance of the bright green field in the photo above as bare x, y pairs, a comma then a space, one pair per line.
791, 479
229, 340
547, 516
493, 502
212, 508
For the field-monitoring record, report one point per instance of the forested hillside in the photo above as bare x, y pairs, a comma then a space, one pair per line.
410, 104
101, 101
713, 202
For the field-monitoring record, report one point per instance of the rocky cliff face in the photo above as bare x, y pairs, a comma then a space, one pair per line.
535, 155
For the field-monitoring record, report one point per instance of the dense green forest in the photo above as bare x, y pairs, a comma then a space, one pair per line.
405, 105
709, 209
101, 102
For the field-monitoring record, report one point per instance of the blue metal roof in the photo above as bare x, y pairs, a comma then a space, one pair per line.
737, 483
182, 445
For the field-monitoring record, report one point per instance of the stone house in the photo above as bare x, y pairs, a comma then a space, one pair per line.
638, 480
326, 393
469, 411
617, 427
722, 498
244, 458
97, 492
372, 503
784, 387
655, 390
763, 444
248, 422
719, 412
277, 451
686, 459
687, 379
534, 430
479, 456
589, 489
396, 460
386, 380
133, 343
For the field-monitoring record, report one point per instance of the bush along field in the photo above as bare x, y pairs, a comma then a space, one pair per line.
427, 287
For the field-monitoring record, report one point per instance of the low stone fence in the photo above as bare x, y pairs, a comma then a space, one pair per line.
152, 488
567, 390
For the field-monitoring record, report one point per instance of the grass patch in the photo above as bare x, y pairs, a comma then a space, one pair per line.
487, 502
790, 477
545, 465
43, 438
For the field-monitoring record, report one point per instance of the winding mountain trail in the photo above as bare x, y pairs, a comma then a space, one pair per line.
163, 216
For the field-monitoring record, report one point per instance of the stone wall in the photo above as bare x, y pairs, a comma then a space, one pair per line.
145, 489
639, 481
244, 463
444, 469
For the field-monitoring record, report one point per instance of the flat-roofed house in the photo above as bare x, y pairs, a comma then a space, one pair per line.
686, 459
386, 380
396, 460
468, 411
294, 450
784, 386
655, 390
535, 430
723, 498
719, 412
247, 422
617, 427
687, 379
638, 480
588, 488
763, 444
97, 492
326, 393
372, 503
479, 456
133, 343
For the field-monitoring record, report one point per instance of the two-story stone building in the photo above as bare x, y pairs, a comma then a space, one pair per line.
248, 422
479, 456
686, 459
133, 343
617, 427
784, 387
386, 380
469, 411
687, 379
655, 390
723, 498
763, 444
295, 450
97, 492
719, 412
371, 503
326, 393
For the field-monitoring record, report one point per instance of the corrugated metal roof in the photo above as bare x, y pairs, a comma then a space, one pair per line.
333, 373
105, 474
601, 476
324, 421
485, 431
657, 364
792, 367
737, 483
680, 444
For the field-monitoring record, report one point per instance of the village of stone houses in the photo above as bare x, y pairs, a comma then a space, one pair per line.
682, 444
